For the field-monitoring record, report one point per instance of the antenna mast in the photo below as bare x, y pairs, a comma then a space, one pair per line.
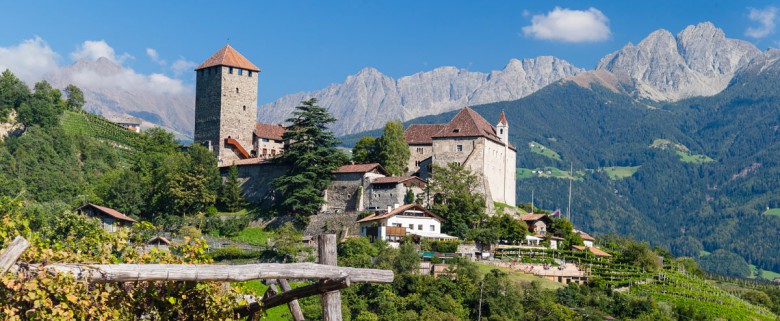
571, 178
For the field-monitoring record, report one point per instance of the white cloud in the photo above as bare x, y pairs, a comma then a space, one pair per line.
765, 18
570, 25
29, 60
155, 56
181, 65
93, 50
128, 80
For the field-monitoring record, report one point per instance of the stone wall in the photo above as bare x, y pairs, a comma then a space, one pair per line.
208, 99
256, 181
418, 154
342, 224
239, 110
343, 194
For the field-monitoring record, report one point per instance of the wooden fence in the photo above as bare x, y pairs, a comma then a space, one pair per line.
331, 278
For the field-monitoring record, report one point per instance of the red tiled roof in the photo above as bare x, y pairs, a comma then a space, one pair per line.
598, 252
361, 168
467, 123
416, 207
269, 131
502, 119
396, 179
227, 56
586, 237
532, 217
111, 212
422, 133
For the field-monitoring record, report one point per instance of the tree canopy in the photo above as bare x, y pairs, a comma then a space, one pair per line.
311, 156
451, 195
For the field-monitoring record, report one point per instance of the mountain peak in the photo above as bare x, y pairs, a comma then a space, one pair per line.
700, 61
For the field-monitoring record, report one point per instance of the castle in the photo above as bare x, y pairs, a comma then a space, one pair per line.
225, 122
226, 110
469, 140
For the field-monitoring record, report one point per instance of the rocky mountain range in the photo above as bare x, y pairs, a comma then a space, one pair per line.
699, 61
370, 98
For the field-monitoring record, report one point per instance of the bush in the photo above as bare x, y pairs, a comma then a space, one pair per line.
190, 231
445, 246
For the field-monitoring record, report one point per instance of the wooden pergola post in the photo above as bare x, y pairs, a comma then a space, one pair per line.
331, 301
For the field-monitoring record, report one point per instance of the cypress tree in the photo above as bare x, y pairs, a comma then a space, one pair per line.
231, 191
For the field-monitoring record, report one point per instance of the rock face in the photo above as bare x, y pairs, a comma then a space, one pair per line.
700, 61
110, 89
369, 99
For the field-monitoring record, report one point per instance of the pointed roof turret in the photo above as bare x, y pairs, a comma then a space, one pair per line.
227, 56
502, 119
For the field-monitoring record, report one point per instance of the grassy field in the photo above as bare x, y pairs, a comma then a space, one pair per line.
694, 158
257, 288
768, 275
548, 172
682, 151
544, 151
254, 235
773, 211
620, 172
519, 276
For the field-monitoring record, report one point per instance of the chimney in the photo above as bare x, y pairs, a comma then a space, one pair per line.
389, 208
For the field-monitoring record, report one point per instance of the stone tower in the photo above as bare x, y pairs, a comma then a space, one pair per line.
226, 105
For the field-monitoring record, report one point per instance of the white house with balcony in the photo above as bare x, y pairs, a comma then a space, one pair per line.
398, 222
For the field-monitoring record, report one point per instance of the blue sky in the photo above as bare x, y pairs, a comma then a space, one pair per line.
307, 45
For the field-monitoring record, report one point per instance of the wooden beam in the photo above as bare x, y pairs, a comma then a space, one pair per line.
103, 273
320, 287
295, 308
331, 301
12, 253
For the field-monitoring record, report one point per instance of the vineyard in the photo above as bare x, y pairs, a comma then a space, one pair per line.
84, 123
672, 284
678, 287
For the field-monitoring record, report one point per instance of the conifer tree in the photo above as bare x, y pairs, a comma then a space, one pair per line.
392, 148
311, 157
231, 191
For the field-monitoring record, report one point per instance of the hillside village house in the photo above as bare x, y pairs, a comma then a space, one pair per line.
537, 223
361, 187
587, 240
469, 140
398, 222
129, 122
111, 220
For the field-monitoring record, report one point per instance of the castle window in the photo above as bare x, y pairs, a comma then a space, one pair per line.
456, 130
459, 148
230, 70
244, 105
419, 150
240, 72
250, 74
236, 90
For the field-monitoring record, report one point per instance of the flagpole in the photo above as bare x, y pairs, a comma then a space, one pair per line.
532, 201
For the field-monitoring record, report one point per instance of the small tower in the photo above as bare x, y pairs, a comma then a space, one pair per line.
226, 105
502, 129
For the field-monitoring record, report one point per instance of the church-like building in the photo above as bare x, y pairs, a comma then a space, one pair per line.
469, 140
